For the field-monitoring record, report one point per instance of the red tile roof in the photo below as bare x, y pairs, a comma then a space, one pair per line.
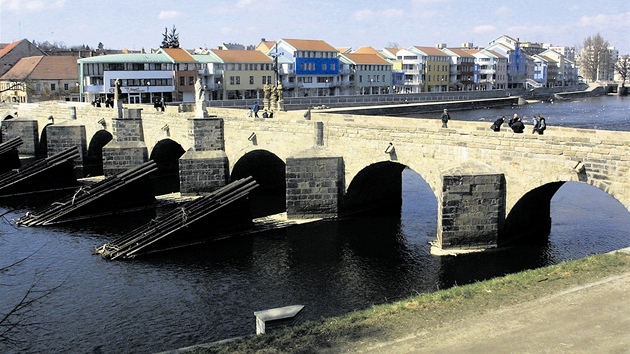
7, 48
366, 59
431, 51
44, 68
310, 44
179, 55
461, 52
242, 56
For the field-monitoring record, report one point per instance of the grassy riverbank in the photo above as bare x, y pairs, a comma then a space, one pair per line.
400, 319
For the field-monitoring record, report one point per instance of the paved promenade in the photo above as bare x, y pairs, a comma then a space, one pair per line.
593, 318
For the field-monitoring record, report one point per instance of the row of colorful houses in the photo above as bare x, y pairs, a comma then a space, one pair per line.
302, 67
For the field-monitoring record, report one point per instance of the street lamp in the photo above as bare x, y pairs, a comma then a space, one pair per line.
148, 84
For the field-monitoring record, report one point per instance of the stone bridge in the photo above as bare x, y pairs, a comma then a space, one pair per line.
492, 187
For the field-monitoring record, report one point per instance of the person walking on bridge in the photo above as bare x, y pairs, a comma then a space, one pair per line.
445, 118
255, 109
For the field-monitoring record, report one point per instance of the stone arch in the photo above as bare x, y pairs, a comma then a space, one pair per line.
603, 185
166, 154
376, 188
269, 171
529, 220
93, 162
41, 150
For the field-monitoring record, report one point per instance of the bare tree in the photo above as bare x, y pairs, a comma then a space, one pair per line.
623, 68
594, 57
20, 316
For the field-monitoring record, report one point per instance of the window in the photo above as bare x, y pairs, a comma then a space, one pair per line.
324, 67
191, 80
232, 80
182, 81
53, 87
65, 87
251, 80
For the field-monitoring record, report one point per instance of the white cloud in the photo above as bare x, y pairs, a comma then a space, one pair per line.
605, 21
244, 3
31, 5
425, 2
504, 11
369, 15
393, 13
484, 29
169, 14
364, 15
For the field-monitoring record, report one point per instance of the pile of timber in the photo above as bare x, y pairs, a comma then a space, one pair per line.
54, 172
146, 238
114, 194
9, 158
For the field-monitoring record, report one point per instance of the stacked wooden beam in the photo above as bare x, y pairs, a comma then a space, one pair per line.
9, 158
10, 179
10, 145
85, 196
142, 239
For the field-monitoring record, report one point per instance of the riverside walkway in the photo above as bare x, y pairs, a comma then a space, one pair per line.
592, 318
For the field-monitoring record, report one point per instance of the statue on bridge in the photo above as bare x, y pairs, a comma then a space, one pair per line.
200, 101
266, 99
280, 97
117, 97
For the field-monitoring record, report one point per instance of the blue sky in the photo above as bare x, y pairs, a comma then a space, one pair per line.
137, 24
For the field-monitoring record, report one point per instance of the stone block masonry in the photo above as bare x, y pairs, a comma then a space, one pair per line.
315, 186
202, 172
127, 148
27, 130
471, 211
119, 157
204, 168
62, 137
206, 134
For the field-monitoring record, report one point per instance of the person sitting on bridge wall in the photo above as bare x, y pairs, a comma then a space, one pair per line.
496, 126
518, 126
512, 120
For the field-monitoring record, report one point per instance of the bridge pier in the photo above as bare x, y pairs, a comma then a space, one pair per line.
27, 129
60, 137
127, 149
315, 181
204, 167
471, 210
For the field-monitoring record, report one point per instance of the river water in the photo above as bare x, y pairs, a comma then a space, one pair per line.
209, 293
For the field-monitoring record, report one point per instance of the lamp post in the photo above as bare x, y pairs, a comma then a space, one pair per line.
148, 84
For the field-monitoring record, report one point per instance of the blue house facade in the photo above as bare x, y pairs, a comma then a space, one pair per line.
316, 67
